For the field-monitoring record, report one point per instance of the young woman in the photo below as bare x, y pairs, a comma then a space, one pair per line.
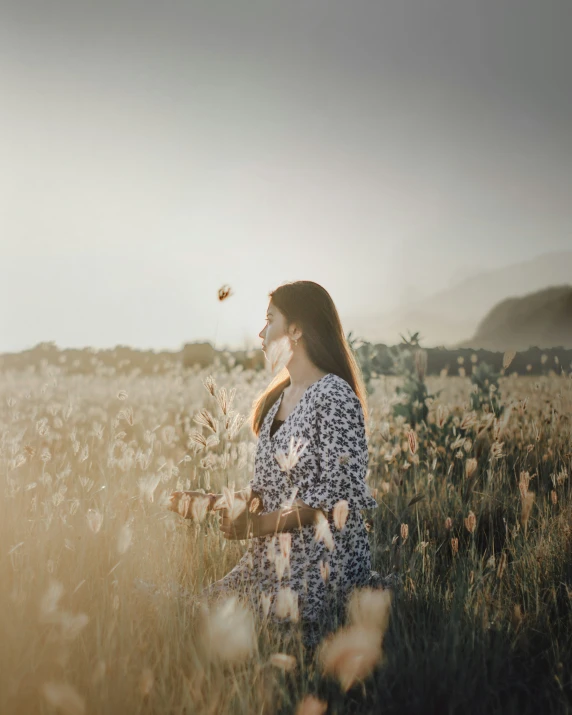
302, 562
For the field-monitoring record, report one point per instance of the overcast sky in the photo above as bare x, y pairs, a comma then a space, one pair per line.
153, 151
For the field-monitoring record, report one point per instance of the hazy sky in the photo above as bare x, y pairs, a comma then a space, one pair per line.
152, 151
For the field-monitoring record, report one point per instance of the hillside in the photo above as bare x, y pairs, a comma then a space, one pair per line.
450, 315
542, 319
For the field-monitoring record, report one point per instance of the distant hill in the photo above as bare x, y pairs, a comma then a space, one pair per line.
542, 319
451, 315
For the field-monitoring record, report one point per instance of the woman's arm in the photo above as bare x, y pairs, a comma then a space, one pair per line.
276, 521
247, 525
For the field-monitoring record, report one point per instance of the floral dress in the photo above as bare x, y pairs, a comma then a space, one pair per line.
294, 575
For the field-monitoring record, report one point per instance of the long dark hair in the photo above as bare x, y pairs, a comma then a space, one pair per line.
312, 309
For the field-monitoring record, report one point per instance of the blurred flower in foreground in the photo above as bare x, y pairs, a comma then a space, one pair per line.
287, 461
286, 605
278, 353
283, 661
323, 532
146, 682
64, 697
311, 706
94, 520
370, 607
351, 654
229, 634
340, 513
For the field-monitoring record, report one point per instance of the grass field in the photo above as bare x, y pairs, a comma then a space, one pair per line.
483, 622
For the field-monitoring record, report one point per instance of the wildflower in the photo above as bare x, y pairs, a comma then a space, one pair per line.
441, 415
234, 505
147, 486
50, 600
205, 419
280, 564
124, 539
279, 353
72, 623
146, 682
265, 601
210, 384
496, 450
323, 532
523, 484
98, 672
225, 400
311, 706
469, 420
470, 467
64, 697
287, 461
471, 522
340, 513
199, 508
455, 546
350, 654
285, 540
508, 357
448, 523
197, 440
287, 604
229, 633
283, 661
404, 532
184, 505
502, 565
412, 441
384, 431
94, 520
370, 608
527, 503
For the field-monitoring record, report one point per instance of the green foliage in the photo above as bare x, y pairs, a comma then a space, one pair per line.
369, 359
485, 396
410, 361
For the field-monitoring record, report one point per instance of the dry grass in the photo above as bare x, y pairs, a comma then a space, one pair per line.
87, 463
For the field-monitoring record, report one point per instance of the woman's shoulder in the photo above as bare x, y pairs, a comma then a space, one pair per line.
335, 389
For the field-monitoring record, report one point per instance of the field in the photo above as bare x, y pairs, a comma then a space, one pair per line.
482, 622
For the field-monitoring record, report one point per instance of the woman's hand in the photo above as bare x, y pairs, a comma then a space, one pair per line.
243, 526
181, 502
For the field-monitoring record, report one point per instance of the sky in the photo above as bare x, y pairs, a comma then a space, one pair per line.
153, 152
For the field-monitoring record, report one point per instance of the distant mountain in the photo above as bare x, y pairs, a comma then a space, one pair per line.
542, 319
451, 315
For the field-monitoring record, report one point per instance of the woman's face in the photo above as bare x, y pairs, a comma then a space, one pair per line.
274, 329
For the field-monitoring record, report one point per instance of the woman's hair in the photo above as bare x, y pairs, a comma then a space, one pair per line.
312, 309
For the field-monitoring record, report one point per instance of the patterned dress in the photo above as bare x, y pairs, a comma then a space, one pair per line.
329, 421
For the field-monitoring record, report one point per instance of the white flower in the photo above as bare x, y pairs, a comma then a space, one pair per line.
287, 461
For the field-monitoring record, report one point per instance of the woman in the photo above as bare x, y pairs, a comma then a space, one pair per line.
303, 561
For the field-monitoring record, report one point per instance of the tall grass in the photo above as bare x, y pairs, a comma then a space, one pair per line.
483, 620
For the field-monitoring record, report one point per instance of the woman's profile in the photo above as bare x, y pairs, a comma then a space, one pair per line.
308, 545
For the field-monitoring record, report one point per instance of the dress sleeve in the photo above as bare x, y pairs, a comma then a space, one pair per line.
342, 454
